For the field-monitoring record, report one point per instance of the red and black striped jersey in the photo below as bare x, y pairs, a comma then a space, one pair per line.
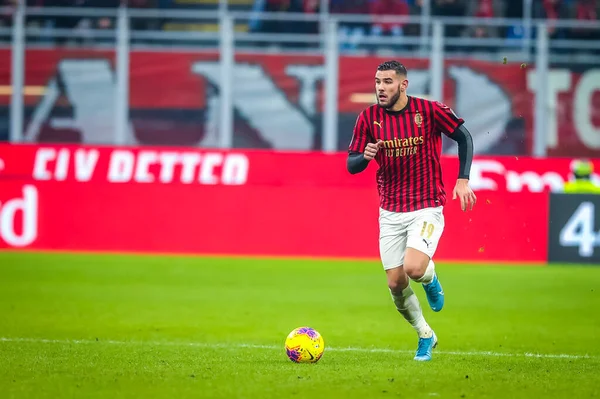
409, 177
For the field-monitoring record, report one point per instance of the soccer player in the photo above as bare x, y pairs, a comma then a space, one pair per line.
403, 135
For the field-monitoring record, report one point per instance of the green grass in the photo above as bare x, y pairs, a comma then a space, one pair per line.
104, 326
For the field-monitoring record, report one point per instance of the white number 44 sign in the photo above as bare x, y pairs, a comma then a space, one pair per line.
579, 230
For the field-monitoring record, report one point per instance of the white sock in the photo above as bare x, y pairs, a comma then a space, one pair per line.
408, 306
429, 273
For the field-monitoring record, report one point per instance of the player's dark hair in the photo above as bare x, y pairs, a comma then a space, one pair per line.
393, 66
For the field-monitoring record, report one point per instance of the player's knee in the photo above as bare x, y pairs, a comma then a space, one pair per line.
415, 263
415, 269
397, 283
395, 286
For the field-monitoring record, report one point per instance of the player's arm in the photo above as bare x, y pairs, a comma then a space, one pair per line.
465, 158
453, 126
356, 162
362, 147
463, 138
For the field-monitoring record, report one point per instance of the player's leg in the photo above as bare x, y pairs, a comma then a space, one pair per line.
417, 260
406, 301
392, 245
423, 236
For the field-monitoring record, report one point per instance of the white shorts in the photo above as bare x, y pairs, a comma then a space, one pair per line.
420, 230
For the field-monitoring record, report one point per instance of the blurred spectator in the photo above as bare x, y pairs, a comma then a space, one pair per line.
484, 9
295, 7
6, 17
585, 10
582, 171
62, 22
255, 21
551, 10
351, 32
311, 7
449, 8
388, 8
82, 26
416, 8
270, 25
349, 7
514, 9
259, 21
144, 23
298, 26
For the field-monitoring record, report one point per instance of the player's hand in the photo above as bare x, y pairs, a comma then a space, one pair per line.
466, 195
371, 150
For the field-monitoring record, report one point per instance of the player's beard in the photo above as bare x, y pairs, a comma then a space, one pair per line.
393, 100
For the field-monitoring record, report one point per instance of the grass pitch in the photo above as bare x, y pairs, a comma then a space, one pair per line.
100, 326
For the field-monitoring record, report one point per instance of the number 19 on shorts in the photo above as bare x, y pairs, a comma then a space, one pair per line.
427, 230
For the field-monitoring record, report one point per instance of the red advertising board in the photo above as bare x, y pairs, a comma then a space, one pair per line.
278, 99
184, 200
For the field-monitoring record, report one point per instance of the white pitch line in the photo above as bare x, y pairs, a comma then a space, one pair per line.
274, 347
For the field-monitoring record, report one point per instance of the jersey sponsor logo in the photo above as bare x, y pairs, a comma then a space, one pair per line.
403, 147
378, 124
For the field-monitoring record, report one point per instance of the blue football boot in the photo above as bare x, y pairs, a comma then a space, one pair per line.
425, 347
435, 294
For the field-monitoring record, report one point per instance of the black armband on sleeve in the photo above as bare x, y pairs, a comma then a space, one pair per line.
356, 162
465, 150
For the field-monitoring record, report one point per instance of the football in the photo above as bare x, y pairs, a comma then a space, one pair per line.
304, 345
